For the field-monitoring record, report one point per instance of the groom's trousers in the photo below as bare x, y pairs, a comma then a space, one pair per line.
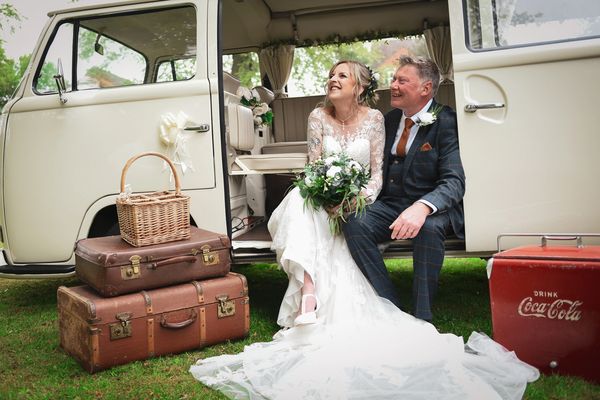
365, 232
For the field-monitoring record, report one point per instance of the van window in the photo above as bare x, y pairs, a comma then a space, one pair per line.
121, 50
176, 70
311, 64
103, 62
244, 66
503, 23
60, 53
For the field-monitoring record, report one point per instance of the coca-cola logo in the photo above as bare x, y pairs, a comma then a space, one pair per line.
561, 309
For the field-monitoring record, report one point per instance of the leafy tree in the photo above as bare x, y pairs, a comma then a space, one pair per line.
10, 72
246, 68
311, 64
8, 16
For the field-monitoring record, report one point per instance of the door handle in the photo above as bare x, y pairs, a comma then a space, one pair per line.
198, 128
471, 108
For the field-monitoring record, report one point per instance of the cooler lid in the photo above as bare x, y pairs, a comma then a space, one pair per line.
565, 253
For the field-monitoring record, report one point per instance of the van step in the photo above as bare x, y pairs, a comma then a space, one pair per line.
37, 269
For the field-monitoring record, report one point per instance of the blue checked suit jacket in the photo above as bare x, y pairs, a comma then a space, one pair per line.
432, 168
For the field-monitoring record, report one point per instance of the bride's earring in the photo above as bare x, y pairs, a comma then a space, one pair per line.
309, 317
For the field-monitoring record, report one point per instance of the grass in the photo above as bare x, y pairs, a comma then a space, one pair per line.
32, 365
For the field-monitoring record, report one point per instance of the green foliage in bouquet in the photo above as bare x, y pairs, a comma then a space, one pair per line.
334, 180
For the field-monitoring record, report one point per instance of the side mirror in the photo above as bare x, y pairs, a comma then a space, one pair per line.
60, 82
98, 48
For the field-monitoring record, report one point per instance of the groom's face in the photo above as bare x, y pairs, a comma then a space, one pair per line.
407, 90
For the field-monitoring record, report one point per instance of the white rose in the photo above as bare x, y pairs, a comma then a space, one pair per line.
308, 181
330, 160
426, 119
258, 121
354, 165
260, 109
376, 76
244, 92
333, 170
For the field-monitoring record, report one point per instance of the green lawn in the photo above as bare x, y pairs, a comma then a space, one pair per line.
32, 365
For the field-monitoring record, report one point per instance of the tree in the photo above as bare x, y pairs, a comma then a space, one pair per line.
10, 72
8, 16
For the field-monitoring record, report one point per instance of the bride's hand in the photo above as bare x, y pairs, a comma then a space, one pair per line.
347, 209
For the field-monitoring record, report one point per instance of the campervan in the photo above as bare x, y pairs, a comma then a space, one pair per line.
111, 81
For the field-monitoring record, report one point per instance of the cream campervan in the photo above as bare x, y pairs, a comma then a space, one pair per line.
522, 75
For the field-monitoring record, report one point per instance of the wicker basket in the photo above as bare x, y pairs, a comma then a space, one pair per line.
153, 218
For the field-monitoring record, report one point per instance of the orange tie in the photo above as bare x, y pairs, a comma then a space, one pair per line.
401, 148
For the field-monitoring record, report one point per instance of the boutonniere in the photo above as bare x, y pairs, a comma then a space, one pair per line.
428, 118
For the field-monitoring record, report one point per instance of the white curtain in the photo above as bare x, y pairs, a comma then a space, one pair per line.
440, 50
276, 62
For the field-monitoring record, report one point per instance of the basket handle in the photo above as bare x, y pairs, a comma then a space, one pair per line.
151, 153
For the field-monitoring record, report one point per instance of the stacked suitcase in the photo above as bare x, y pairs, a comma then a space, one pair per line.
141, 302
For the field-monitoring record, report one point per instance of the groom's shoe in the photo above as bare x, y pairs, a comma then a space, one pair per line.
309, 317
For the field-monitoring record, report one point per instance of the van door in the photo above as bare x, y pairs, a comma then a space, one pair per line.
129, 71
526, 79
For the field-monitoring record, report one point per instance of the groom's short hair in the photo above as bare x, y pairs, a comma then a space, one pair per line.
426, 69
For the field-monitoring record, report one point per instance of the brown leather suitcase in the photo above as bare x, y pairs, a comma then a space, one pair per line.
113, 267
101, 332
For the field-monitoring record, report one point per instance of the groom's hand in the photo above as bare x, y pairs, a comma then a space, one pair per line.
409, 223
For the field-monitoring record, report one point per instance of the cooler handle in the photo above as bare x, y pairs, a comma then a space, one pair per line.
549, 236
545, 239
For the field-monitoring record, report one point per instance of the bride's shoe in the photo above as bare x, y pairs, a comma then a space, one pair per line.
310, 317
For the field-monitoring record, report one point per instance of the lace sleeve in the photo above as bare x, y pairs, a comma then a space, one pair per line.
314, 136
377, 142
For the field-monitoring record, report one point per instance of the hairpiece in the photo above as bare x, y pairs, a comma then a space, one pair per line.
370, 89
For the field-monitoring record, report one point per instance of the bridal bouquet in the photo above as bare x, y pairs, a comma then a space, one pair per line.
331, 181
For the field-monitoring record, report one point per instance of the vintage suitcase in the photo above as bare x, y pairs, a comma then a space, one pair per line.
101, 332
545, 306
113, 267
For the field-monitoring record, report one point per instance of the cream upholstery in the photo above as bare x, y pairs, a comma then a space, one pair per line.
241, 140
266, 96
230, 83
290, 116
241, 127
285, 147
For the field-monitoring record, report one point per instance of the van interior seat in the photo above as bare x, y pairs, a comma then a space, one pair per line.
241, 137
230, 83
290, 114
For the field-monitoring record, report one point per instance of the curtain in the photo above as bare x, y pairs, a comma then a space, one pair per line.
440, 50
276, 62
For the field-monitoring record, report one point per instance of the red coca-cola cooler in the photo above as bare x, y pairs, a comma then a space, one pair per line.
545, 303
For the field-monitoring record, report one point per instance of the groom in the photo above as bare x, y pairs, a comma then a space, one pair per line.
423, 186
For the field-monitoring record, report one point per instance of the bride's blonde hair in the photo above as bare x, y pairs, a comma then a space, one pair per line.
363, 76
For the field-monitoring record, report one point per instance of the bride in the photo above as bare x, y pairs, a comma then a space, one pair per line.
339, 339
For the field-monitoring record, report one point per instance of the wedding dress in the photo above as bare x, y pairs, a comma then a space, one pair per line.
362, 346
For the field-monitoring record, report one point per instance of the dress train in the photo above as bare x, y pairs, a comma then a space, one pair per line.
362, 346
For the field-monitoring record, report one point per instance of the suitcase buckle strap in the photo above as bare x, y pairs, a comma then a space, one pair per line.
131, 271
209, 257
121, 329
226, 307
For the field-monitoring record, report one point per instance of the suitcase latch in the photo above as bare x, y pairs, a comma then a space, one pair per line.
209, 257
121, 329
226, 307
131, 271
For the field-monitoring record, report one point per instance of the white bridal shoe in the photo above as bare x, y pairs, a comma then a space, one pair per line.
307, 317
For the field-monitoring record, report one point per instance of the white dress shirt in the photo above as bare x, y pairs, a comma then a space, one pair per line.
411, 138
